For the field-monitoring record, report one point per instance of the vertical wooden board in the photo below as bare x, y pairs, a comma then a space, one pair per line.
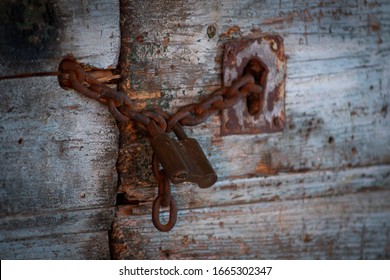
58, 148
57, 174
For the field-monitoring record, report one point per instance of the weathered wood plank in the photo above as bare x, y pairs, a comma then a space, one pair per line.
55, 223
87, 29
57, 174
171, 40
319, 189
297, 186
93, 245
337, 92
56, 152
352, 226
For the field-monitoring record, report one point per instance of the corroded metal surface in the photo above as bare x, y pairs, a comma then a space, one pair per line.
268, 53
182, 160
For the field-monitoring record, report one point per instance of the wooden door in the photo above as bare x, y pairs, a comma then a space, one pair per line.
317, 190
58, 149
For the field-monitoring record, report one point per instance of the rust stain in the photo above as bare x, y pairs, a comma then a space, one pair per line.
72, 107
373, 23
140, 38
166, 42
234, 30
118, 246
265, 166
187, 240
384, 110
307, 238
145, 95
124, 210
244, 248
256, 32
274, 20
229, 187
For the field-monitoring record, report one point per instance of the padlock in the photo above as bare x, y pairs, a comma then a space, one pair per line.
183, 160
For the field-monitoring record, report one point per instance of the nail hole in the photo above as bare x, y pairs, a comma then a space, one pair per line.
20, 141
211, 31
330, 140
182, 175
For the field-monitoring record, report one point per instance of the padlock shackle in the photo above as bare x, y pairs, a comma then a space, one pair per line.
178, 129
153, 128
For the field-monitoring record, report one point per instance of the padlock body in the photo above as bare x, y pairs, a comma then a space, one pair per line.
183, 160
170, 156
200, 170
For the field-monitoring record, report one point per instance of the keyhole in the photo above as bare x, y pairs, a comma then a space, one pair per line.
181, 176
254, 102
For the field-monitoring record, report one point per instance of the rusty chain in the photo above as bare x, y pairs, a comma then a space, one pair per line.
73, 76
163, 199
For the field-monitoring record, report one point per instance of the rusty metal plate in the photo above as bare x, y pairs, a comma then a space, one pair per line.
268, 53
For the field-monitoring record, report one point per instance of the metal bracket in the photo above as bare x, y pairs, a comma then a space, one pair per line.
264, 57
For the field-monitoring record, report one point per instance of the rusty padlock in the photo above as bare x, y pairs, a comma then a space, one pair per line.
182, 159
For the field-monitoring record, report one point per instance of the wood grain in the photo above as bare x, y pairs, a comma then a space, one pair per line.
296, 186
58, 149
336, 94
88, 29
329, 166
93, 245
340, 227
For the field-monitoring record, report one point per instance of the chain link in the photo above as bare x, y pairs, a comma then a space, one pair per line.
163, 199
72, 75
121, 106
